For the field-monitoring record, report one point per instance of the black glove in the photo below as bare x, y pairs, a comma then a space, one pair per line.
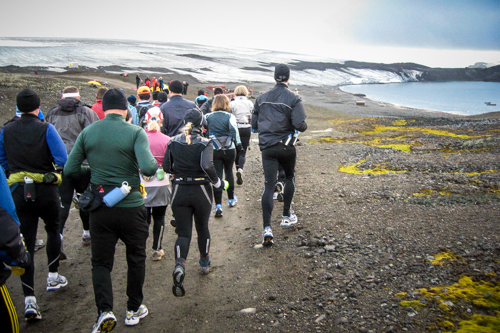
239, 148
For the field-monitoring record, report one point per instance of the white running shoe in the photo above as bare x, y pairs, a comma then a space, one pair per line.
56, 283
267, 237
288, 221
31, 309
134, 317
105, 323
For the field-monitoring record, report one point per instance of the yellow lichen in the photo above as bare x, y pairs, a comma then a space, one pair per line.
412, 304
353, 168
447, 324
444, 257
481, 324
400, 295
382, 128
428, 192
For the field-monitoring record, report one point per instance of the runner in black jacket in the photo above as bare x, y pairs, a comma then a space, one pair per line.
189, 158
277, 114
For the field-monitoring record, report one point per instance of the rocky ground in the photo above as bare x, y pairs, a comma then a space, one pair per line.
398, 232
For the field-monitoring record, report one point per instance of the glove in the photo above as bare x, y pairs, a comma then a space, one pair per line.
239, 148
226, 185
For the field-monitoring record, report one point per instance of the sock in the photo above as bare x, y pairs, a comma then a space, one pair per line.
53, 275
86, 233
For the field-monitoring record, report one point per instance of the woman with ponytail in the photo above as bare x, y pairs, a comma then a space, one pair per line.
157, 187
189, 158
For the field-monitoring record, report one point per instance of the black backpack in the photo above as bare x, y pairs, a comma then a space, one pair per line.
141, 113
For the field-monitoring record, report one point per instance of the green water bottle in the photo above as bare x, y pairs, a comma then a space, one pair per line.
160, 174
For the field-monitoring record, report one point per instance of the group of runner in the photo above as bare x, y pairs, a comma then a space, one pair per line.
185, 155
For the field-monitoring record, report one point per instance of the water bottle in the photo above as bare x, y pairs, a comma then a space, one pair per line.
160, 174
117, 195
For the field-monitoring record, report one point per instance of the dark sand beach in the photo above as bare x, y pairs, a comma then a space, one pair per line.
398, 229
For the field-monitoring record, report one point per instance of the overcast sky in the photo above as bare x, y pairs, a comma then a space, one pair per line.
437, 33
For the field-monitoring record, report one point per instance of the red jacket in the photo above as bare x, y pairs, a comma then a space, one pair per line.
97, 107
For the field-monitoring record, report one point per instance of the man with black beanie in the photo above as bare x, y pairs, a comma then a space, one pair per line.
115, 151
29, 149
278, 116
175, 109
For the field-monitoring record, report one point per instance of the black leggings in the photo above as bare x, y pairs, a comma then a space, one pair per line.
66, 192
188, 202
224, 162
46, 206
272, 158
158, 215
245, 134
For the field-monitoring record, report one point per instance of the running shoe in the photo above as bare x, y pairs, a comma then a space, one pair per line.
178, 276
279, 187
31, 310
232, 202
267, 237
287, 221
105, 323
218, 210
280, 197
239, 179
205, 264
85, 239
56, 283
157, 255
134, 317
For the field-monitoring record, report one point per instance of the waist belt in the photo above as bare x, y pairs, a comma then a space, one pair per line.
190, 179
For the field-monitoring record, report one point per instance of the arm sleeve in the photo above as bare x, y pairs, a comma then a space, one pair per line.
73, 167
3, 155
299, 117
12, 249
233, 128
207, 163
255, 116
167, 160
91, 117
56, 146
204, 108
147, 163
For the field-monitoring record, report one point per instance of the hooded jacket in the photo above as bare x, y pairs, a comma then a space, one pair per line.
70, 117
276, 114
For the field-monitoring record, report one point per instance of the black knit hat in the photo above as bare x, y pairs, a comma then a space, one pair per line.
114, 99
176, 87
281, 73
218, 91
162, 97
27, 100
194, 116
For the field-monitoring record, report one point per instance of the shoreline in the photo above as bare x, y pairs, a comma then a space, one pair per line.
329, 97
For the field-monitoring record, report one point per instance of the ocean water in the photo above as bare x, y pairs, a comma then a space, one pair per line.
463, 98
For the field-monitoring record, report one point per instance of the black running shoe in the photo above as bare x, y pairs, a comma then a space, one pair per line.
178, 276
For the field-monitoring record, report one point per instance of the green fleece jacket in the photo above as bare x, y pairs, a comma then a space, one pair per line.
115, 151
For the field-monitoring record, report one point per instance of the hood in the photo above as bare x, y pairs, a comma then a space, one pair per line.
69, 104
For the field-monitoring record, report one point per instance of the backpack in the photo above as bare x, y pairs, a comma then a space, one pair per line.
141, 114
